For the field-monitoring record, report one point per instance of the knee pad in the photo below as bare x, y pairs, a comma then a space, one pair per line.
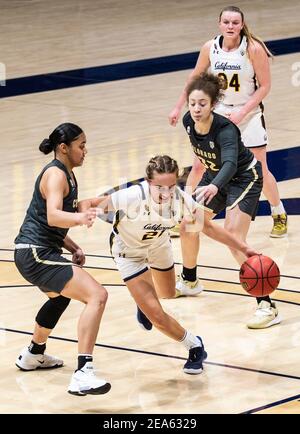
51, 311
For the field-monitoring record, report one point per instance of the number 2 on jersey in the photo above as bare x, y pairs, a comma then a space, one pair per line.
234, 82
152, 234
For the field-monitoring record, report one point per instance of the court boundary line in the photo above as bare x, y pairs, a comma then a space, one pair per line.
202, 278
272, 404
214, 267
151, 353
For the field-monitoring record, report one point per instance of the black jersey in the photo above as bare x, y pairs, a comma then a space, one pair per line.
35, 229
222, 148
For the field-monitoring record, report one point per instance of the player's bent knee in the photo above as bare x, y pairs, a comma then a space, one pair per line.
103, 295
98, 297
51, 311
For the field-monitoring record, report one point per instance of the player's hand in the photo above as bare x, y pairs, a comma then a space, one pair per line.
88, 217
250, 252
206, 193
174, 116
78, 257
235, 117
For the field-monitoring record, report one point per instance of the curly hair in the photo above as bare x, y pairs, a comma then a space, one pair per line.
209, 84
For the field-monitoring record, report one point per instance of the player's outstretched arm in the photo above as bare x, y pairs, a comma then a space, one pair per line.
102, 203
220, 234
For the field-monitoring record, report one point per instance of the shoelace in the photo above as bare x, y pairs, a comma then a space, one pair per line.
264, 311
193, 354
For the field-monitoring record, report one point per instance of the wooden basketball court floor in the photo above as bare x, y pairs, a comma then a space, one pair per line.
126, 123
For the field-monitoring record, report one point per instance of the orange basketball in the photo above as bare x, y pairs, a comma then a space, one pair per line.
259, 275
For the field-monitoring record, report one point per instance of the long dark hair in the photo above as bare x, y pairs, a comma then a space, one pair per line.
64, 133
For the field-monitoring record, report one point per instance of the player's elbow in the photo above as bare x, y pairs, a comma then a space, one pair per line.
266, 88
51, 222
51, 219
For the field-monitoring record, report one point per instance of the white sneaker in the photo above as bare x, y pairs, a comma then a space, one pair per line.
265, 316
184, 287
85, 382
29, 362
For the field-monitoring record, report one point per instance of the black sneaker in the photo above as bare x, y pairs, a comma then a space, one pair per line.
194, 364
143, 320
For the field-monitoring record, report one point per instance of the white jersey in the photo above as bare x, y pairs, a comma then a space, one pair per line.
140, 222
236, 69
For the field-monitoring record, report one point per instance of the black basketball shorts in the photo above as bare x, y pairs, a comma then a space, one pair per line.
44, 267
243, 190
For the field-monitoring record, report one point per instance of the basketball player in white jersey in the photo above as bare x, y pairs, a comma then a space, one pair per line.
140, 245
241, 60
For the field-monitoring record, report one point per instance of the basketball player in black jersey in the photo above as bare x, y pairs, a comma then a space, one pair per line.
241, 60
38, 257
232, 180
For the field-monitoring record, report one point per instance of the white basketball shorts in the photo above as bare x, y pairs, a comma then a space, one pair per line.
133, 262
252, 127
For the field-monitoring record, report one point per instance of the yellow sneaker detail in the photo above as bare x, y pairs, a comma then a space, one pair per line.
279, 226
184, 287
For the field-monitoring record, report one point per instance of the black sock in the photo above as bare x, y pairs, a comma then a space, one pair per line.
189, 274
83, 359
36, 348
267, 298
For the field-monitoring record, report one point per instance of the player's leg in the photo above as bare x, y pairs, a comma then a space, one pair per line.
270, 190
237, 223
188, 283
143, 291
34, 356
161, 261
266, 314
83, 287
242, 201
55, 275
37, 265
255, 138
164, 282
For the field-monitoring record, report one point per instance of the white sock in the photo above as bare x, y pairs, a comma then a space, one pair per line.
279, 209
190, 341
